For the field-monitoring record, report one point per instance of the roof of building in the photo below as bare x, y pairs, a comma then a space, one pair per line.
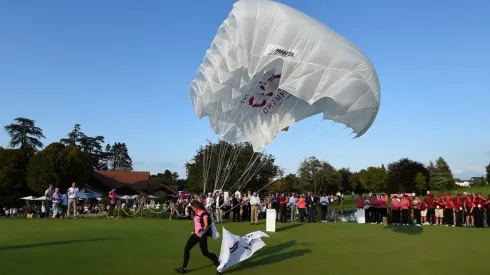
136, 180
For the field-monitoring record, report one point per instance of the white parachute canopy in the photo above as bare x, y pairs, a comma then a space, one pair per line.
235, 249
270, 66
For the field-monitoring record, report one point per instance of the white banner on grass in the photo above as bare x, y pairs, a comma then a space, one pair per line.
235, 249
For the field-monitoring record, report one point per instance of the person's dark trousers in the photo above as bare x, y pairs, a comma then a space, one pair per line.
324, 212
366, 215
405, 216
284, 211
48, 205
245, 216
301, 214
431, 214
417, 215
311, 214
479, 215
459, 218
395, 216
449, 219
203, 244
236, 214
374, 215
381, 214
278, 213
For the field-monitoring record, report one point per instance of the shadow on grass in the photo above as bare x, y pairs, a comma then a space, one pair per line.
291, 226
409, 230
199, 268
53, 243
271, 255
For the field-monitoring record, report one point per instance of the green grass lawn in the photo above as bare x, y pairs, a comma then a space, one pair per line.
155, 246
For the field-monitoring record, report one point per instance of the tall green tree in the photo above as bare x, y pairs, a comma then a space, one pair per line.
93, 146
13, 170
59, 165
25, 134
402, 173
374, 178
346, 179
488, 173
441, 177
74, 137
232, 167
118, 157
320, 175
420, 182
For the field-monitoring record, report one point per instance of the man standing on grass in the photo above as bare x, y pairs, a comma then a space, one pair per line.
294, 206
49, 198
72, 199
254, 202
430, 208
311, 205
56, 203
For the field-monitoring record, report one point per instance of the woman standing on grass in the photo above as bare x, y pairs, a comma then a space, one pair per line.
202, 230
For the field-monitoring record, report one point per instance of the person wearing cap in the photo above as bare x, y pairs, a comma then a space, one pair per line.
429, 201
458, 210
405, 205
469, 204
479, 211
423, 213
395, 210
374, 209
439, 203
416, 209
383, 208
449, 211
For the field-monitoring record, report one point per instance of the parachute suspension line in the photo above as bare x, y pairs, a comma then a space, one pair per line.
229, 166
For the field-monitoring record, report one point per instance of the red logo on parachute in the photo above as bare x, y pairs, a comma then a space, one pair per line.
263, 85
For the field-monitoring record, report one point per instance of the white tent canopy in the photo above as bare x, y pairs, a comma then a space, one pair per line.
28, 198
43, 198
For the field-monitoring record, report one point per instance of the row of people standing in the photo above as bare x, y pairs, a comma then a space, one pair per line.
460, 210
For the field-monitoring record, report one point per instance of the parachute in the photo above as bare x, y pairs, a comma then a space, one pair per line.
270, 66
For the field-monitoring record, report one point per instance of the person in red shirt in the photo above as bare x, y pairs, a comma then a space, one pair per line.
449, 211
405, 205
423, 212
479, 211
430, 208
439, 203
458, 210
468, 210
395, 210
383, 208
416, 209
283, 204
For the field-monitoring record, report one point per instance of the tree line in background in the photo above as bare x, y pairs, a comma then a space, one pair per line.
26, 168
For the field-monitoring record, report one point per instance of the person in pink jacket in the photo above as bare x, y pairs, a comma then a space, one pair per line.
405, 205
396, 205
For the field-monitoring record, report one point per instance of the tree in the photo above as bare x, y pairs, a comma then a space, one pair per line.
74, 137
420, 182
374, 178
13, 169
402, 173
488, 173
59, 165
479, 182
441, 177
231, 167
320, 175
93, 147
118, 157
345, 179
25, 134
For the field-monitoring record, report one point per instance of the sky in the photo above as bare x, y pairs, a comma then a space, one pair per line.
122, 69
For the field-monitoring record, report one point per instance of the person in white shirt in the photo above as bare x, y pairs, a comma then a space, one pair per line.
255, 202
49, 199
72, 199
324, 205
56, 203
293, 205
